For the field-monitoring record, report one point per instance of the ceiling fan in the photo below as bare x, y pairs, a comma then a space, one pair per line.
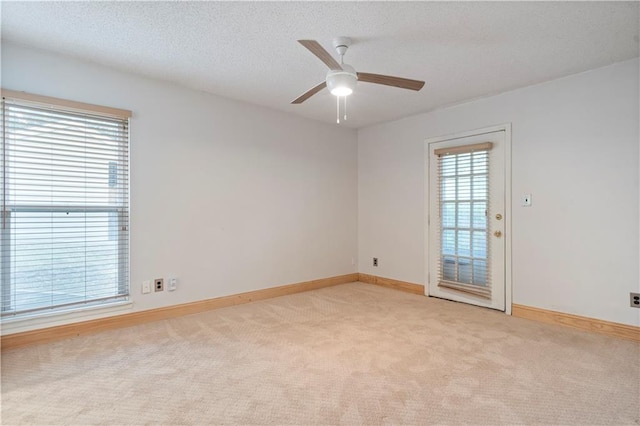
342, 78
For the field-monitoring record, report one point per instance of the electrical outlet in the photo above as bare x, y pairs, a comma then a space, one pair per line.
634, 299
146, 287
375, 261
158, 284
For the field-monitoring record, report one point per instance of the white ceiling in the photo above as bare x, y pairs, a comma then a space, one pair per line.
248, 50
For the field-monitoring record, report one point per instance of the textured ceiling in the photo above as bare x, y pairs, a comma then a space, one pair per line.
248, 50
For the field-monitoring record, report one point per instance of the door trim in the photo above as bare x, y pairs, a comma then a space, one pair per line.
507, 203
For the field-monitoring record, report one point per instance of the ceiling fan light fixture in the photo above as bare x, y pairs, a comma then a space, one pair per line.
342, 82
341, 91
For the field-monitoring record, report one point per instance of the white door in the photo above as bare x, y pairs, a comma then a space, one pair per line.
467, 221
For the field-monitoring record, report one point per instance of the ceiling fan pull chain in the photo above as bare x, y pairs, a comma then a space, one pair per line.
338, 110
345, 108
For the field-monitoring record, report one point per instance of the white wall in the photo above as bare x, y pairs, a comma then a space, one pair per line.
574, 148
226, 196
231, 197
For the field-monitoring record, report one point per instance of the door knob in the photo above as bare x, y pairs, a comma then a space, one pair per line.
498, 234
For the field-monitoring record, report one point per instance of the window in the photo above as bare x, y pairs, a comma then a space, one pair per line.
65, 208
463, 174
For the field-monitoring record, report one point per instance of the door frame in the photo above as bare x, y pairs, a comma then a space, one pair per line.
507, 204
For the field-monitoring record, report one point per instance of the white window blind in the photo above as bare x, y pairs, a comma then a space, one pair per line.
65, 208
463, 182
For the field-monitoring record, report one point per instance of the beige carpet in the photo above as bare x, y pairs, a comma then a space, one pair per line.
351, 354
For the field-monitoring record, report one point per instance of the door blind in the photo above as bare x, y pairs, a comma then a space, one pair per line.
463, 230
65, 208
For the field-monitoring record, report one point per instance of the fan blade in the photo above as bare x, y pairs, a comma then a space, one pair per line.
387, 80
315, 48
309, 93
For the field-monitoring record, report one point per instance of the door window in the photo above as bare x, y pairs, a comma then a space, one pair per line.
463, 186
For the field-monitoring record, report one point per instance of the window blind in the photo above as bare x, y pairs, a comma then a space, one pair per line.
65, 207
463, 231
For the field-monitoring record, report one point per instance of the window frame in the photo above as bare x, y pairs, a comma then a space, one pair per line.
121, 208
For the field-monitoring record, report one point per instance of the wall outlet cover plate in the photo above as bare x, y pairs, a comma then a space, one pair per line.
158, 284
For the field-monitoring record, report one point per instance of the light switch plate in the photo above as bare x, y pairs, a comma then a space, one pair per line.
173, 284
526, 200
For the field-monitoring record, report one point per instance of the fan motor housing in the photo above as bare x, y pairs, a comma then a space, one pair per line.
342, 82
